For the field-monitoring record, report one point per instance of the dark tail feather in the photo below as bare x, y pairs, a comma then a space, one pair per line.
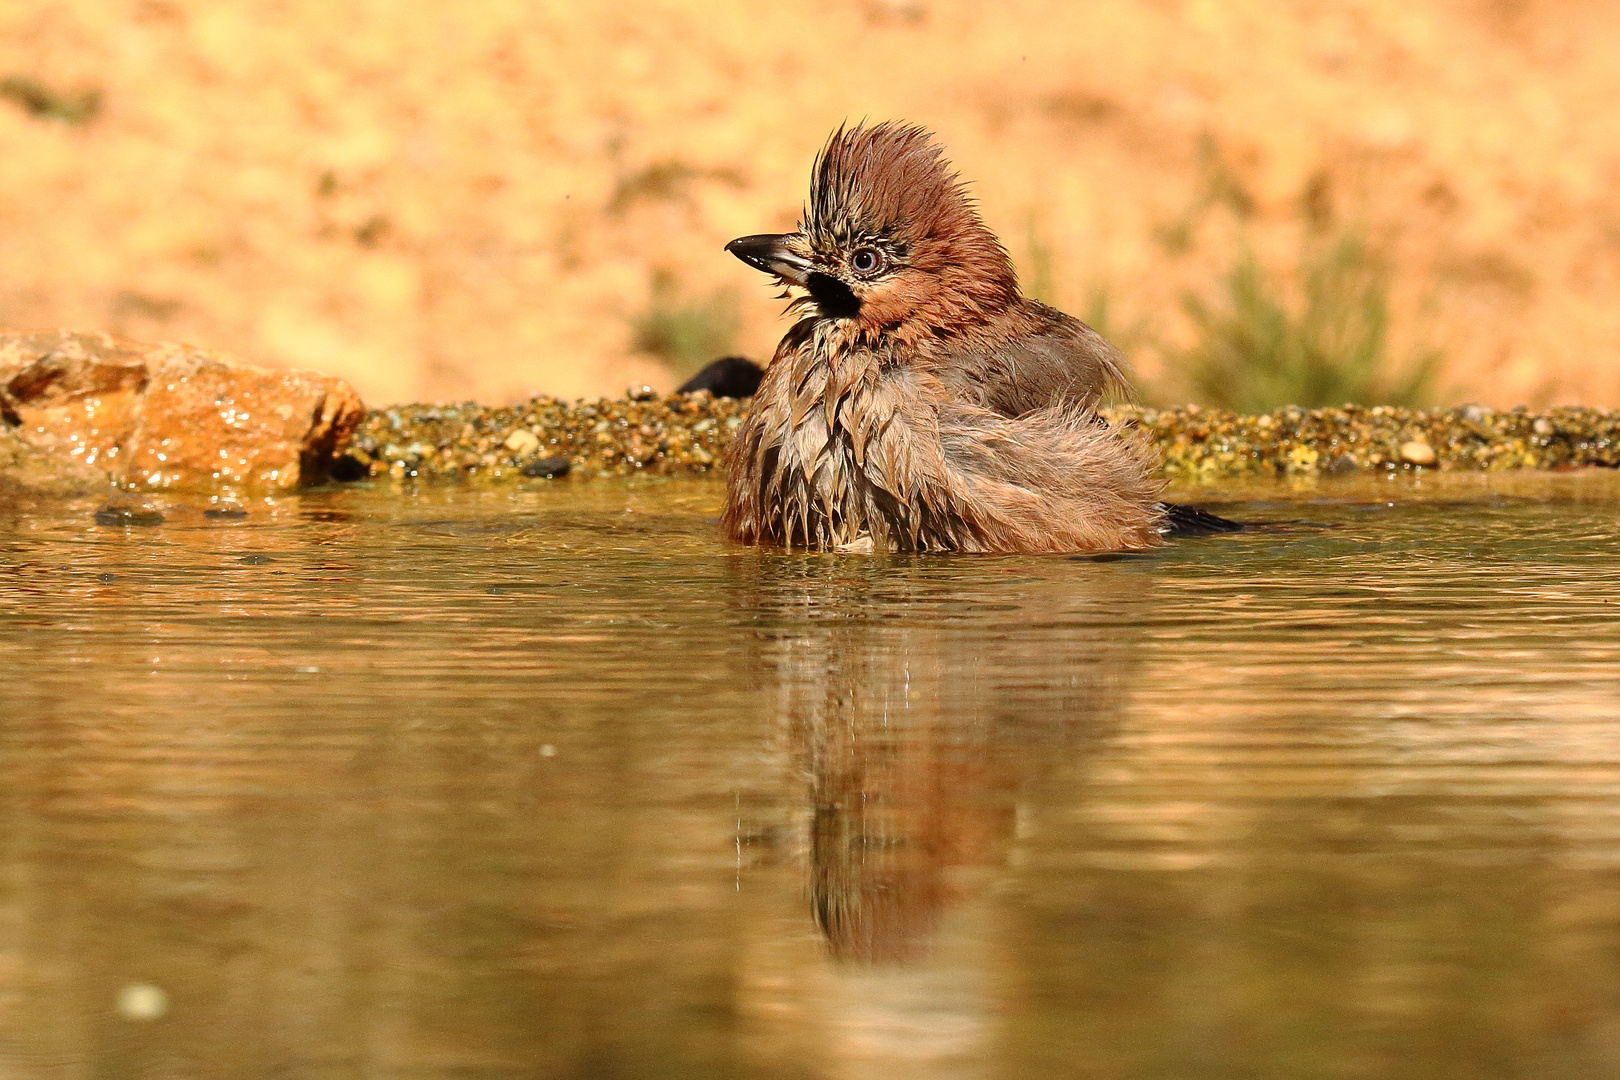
1191, 521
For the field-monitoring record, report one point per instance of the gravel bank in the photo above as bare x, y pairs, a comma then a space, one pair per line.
689, 433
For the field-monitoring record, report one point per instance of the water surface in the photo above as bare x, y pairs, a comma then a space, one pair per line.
551, 783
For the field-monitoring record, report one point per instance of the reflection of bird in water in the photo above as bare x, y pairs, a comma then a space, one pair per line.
908, 696
921, 403
896, 813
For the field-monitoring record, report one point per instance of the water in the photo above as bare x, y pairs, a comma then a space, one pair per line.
550, 783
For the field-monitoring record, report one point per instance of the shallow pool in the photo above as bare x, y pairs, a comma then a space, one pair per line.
551, 783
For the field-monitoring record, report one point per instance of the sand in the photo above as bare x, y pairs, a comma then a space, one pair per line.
449, 201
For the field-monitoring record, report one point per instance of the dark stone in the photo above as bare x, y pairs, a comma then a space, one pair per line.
255, 560
727, 377
127, 510
225, 513
347, 468
546, 467
1340, 465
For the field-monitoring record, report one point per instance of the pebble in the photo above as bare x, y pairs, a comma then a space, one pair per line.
1340, 465
689, 433
1417, 453
347, 468
546, 467
128, 510
142, 1001
522, 442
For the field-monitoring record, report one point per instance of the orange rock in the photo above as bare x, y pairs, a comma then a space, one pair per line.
73, 395
164, 416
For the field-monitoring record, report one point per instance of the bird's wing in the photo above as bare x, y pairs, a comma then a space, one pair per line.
1054, 359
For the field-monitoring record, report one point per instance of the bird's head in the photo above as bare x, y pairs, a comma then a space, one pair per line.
889, 239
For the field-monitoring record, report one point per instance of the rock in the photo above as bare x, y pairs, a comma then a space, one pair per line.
128, 510
547, 467
24, 469
347, 468
1417, 453
1341, 465
522, 442
641, 392
727, 377
142, 1001
162, 416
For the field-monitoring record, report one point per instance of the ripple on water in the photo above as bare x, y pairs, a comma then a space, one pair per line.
405, 771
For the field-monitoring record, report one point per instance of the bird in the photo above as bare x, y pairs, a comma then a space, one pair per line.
919, 402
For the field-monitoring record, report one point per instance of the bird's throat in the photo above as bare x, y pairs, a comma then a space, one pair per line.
833, 297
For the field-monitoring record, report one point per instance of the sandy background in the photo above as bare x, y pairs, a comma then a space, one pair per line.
482, 200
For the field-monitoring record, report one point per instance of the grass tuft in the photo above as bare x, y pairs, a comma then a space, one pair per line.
684, 333
1255, 353
43, 103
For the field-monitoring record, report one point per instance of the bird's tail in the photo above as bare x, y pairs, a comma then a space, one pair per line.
1190, 521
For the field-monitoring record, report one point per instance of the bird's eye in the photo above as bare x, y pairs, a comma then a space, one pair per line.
866, 261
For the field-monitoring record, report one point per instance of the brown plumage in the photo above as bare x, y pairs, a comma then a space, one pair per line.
920, 403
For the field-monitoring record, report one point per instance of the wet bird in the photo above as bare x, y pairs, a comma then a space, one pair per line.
920, 403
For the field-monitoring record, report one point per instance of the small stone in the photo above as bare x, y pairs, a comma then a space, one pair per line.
128, 510
142, 1001
547, 467
1417, 453
522, 442
640, 392
1302, 458
728, 377
1340, 465
347, 468
229, 512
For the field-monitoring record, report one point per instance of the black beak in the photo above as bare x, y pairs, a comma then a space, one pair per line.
769, 252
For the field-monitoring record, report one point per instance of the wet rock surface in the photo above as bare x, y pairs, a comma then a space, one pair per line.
169, 416
24, 469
